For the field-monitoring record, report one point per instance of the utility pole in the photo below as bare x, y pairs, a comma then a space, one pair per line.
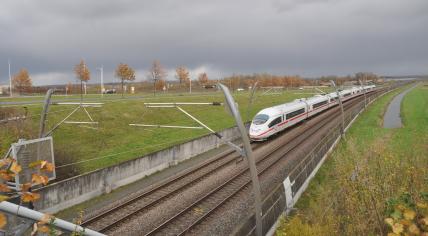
248, 153
341, 107
365, 98
10, 80
102, 79
190, 85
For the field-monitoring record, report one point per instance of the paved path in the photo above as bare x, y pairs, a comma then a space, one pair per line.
392, 117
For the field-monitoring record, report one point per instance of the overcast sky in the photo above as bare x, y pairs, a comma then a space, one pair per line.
305, 37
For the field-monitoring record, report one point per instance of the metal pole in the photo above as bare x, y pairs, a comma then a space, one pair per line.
57, 125
24, 212
45, 112
249, 155
193, 118
365, 98
102, 79
320, 90
341, 107
10, 80
190, 81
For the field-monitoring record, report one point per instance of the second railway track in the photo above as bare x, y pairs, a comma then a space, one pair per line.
189, 216
185, 220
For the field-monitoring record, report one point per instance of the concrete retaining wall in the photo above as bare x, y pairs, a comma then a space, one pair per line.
69, 192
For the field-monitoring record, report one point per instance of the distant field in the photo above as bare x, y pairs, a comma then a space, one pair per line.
391, 170
107, 97
89, 97
115, 141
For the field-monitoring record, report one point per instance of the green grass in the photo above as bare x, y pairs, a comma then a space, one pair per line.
389, 163
115, 141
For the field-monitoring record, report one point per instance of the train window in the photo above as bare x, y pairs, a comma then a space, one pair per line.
295, 113
319, 104
260, 119
275, 121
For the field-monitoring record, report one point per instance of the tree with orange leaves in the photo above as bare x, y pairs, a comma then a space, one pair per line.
83, 74
22, 81
124, 72
182, 74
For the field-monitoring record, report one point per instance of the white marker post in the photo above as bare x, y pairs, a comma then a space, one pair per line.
101, 69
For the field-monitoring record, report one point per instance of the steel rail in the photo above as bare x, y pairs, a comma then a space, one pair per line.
165, 184
331, 118
220, 158
245, 171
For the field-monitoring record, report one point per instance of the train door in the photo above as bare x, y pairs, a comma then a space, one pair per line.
274, 124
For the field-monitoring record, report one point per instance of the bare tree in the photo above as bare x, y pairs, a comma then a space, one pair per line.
22, 81
203, 78
83, 74
157, 72
124, 72
182, 74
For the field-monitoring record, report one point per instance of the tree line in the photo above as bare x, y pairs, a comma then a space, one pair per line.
157, 74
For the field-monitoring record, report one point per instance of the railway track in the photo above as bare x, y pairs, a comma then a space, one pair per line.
190, 216
118, 214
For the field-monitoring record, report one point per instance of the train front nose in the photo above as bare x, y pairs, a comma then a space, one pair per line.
255, 130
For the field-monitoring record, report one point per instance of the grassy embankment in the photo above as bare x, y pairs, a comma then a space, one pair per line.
115, 141
390, 187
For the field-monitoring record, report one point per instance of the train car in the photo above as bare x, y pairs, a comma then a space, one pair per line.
273, 120
346, 94
317, 104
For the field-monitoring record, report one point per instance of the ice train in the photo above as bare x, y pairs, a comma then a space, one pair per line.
272, 120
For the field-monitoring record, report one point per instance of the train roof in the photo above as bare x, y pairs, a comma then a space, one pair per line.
332, 95
316, 99
280, 109
301, 103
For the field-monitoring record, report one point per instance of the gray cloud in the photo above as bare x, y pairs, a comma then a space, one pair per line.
306, 37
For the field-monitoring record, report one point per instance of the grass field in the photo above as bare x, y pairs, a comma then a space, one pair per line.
114, 141
390, 171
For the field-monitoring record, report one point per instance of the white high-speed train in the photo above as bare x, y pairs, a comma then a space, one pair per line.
272, 120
